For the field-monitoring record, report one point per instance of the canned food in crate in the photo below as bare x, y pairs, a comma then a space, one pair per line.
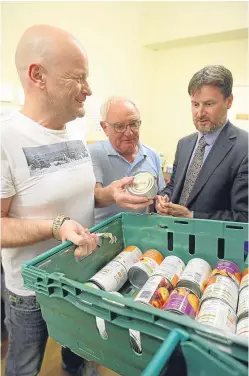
183, 301
171, 268
195, 276
242, 326
243, 306
217, 313
129, 256
155, 292
224, 288
228, 268
244, 279
135, 340
140, 272
110, 278
144, 184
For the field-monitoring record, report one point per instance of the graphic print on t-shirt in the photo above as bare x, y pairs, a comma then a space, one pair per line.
50, 158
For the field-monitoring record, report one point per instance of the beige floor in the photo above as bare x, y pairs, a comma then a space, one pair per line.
51, 364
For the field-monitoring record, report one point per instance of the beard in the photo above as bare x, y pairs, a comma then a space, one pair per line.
210, 126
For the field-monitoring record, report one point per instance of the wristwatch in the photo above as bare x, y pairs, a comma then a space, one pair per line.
57, 223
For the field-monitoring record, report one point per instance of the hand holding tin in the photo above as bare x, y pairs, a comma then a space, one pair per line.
125, 200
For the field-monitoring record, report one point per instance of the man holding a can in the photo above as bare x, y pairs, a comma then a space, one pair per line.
210, 172
123, 155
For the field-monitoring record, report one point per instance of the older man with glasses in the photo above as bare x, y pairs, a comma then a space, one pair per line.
122, 154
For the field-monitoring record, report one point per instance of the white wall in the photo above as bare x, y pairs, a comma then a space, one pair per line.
115, 34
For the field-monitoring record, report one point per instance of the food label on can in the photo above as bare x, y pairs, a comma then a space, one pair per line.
244, 280
242, 327
155, 292
223, 288
197, 271
171, 268
217, 313
147, 264
183, 301
243, 306
129, 256
111, 277
229, 269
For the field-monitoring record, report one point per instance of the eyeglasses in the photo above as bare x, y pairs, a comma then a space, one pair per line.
121, 128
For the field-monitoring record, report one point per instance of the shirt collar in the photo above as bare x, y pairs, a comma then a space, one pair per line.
210, 138
111, 151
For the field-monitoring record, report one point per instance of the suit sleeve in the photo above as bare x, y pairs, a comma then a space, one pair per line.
239, 199
169, 188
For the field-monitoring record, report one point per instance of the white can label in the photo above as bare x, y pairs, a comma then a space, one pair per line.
155, 292
148, 265
197, 271
223, 288
242, 327
128, 258
244, 282
112, 277
171, 268
216, 313
243, 305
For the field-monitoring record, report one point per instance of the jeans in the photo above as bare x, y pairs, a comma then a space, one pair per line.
27, 336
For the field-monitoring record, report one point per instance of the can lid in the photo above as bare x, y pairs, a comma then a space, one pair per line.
137, 277
143, 182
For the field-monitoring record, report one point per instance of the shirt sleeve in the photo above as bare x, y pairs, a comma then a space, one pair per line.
95, 154
7, 185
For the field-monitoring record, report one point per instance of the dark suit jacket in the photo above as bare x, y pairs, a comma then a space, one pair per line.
221, 188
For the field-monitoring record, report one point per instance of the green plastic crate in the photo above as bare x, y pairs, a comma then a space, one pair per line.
69, 308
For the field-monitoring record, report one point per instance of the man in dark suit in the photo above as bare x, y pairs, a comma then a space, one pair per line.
210, 172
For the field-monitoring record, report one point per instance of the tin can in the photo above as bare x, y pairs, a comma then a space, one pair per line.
224, 288
195, 276
129, 256
228, 268
243, 306
171, 268
140, 272
217, 313
182, 301
144, 184
242, 327
244, 279
155, 292
110, 278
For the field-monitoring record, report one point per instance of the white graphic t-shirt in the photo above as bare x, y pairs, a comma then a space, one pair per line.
48, 173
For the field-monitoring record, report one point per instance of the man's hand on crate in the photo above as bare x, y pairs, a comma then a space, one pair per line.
124, 199
80, 236
164, 207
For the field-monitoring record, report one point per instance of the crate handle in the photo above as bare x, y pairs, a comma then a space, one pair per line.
164, 352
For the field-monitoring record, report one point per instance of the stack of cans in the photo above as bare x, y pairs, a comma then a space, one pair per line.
156, 290
185, 299
243, 306
219, 301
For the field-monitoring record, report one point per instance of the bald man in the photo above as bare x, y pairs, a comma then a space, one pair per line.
47, 178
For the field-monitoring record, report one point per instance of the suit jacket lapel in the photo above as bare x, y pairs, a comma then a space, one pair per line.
223, 144
183, 165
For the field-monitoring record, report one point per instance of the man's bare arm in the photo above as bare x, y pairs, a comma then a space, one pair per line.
17, 232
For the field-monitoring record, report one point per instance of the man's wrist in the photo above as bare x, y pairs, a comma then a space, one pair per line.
57, 223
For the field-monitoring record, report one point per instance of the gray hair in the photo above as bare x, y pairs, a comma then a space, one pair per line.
104, 109
215, 75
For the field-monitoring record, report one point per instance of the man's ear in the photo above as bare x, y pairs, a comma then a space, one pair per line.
104, 127
36, 75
